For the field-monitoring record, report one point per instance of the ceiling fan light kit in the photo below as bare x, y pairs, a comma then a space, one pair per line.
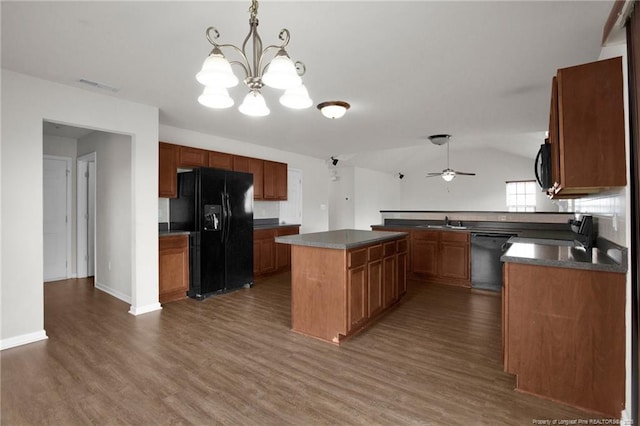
280, 73
447, 174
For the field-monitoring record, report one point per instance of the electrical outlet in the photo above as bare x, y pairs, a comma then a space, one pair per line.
503, 217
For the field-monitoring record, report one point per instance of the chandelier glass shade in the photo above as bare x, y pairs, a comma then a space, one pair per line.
280, 73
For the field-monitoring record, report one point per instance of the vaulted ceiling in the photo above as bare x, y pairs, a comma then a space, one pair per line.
480, 71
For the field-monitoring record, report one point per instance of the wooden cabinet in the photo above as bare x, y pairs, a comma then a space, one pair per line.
264, 256
275, 181
389, 274
564, 334
586, 129
254, 166
283, 251
424, 253
337, 292
375, 293
269, 177
441, 256
269, 257
402, 268
173, 267
357, 297
167, 170
192, 157
220, 160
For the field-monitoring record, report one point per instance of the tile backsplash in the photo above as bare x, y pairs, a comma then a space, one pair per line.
609, 212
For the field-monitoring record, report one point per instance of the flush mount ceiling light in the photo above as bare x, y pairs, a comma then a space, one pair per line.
280, 73
447, 174
333, 109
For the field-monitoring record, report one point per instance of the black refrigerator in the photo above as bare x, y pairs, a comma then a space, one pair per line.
217, 207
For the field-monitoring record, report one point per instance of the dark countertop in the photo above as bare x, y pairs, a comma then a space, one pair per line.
277, 225
172, 233
340, 239
527, 230
559, 254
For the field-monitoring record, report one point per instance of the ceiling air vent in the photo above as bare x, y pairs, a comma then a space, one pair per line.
98, 85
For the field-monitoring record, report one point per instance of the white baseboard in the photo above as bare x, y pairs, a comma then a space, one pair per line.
112, 292
23, 339
139, 310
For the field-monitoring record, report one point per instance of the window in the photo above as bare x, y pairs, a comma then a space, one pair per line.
521, 196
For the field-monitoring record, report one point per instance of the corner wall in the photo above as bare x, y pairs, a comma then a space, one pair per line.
26, 102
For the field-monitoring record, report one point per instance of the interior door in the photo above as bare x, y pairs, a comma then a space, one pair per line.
55, 214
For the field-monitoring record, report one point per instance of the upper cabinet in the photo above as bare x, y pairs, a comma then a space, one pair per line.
269, 177
167, 170
192, 157
220, 160
275, 180
254, 166
586, 129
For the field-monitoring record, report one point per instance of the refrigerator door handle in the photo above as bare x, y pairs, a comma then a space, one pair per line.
224, 216
229, 214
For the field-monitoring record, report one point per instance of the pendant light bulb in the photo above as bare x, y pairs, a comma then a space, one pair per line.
296, 98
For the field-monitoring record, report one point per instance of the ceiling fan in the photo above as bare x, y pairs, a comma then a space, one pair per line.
447, 174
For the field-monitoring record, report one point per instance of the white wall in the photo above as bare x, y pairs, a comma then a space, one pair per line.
342, 198
114, 216
374, 191
66, 147
26, 102
483, 192
314, 171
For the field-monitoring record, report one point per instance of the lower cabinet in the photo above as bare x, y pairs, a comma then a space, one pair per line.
564, 334
441, 257
173, 267
375, 275
269, 257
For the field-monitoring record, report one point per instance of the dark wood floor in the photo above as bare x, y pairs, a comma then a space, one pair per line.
231, 359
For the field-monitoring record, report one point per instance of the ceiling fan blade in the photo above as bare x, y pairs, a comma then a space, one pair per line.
465, 173
434, 174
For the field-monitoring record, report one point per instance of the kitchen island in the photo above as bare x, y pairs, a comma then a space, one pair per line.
342, 280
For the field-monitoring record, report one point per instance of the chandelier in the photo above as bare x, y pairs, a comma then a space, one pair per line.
280, 73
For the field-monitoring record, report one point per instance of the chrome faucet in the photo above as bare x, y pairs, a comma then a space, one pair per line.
446, 221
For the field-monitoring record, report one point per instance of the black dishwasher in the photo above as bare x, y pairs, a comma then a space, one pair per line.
486, 268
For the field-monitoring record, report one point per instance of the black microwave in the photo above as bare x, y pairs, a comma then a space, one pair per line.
542, 166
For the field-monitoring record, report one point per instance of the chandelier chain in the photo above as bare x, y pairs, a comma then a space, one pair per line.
253, 9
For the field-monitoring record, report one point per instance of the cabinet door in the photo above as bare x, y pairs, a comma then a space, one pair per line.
591, 127
356, 297
267, 256
424, 253
401, 269
283, 251
192, 157
281, 181
167, 170
254, 166
275, 181
454, 261
389, 280
375, 291
220, 160
173, 260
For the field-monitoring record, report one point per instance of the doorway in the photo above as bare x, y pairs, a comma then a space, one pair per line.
86, 215
57, 217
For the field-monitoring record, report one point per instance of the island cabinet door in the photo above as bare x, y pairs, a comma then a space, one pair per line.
375, 290
357, 303
401, 269
390, 289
